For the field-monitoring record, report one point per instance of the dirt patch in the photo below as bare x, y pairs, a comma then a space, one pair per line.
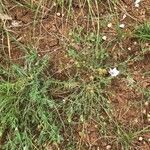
49, 33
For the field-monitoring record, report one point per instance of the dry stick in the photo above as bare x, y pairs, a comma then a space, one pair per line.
8, 41
122, 8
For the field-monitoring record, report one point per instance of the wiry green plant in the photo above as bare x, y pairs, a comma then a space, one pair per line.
143, 32
28, 115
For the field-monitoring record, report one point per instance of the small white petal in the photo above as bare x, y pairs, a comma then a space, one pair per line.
122, 25
114, 72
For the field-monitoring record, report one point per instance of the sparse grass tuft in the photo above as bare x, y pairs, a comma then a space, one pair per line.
28, 115
143, 32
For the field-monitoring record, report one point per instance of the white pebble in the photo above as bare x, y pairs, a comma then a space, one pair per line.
104, 38
146, 103
108, 147
129, 48
109, 25
144, 111
140, 138
122, 25
58, 14
136, 5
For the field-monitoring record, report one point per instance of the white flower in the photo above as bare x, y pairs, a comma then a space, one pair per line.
113, 72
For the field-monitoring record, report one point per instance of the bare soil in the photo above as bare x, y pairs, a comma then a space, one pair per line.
48, 36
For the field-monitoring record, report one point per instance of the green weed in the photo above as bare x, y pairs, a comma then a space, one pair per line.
143, 32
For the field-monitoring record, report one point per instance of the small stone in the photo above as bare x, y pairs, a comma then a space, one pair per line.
54, 4
140, 138
147, 44
58, 14
104, 38
122, 25
135, 43
144, 111
109, 25
146, 103
108, 147
129, 48
136, 5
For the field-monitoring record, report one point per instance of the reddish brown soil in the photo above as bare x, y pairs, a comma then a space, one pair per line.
48, 37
